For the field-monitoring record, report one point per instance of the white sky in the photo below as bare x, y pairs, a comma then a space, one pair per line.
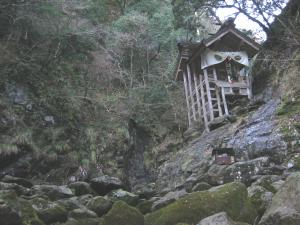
242, 22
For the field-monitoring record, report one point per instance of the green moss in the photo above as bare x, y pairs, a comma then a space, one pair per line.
297, 162
144, 207
121, 213
23, 207
268, 185
288, 108
231, 198
49, 212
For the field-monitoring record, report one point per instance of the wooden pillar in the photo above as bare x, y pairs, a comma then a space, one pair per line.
203, 102
249, 89
197, 92
187, 98
210, 106
224, 102
191, 92
218, 94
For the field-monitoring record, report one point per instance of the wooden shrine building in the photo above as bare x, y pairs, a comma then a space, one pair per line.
213, 70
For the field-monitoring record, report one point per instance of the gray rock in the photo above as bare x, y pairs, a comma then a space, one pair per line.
260, 135
75, 202
81, 188
53, 192
17, 94
17, 180
104, 184
168, 199
121, 195
277, 184
49, 120
260, 197
8, 215
202, 186
20, 190
15, 210
285, 207
49, 212
217, 219
82, 213
99, 205
240, 171
146, 191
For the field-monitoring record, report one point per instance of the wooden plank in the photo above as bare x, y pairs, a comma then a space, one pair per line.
203, 103
191, 91
224, 102
187, 98
211, 113
197, 91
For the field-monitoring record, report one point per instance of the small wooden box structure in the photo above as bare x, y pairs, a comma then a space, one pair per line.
214, 69
224, 156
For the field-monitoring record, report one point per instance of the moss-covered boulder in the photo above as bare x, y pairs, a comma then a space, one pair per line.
121, 195
89, 221
285, 208
81, 188
82, 213
145, 206
231, 198
121, 213
99, 205
49, 212
14, 210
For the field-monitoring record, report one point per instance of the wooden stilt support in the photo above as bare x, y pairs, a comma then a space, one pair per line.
203, 103
224, 102
187, 98
197, 92
191, 92
210, 106
218, 94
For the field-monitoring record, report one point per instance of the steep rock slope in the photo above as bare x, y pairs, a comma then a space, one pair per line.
256, 140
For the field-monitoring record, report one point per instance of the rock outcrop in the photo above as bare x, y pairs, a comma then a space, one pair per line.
220, 218
256, 140
285, 205
231, 198
121, 213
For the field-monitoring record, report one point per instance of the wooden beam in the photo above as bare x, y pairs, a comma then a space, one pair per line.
187, 98
217, 93
224, 102
191, 92
197, 91
211, 112
203, 103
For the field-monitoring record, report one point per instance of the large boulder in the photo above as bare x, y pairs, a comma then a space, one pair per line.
104, 184
16, 211
81, 188
168, 199
82, 213
230, 198
53, 192
121, 195
86, 221
49, 212
241, 171
285, 205
220, 219
75, 202
17, 180
121, 213
99, 205
20, 190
